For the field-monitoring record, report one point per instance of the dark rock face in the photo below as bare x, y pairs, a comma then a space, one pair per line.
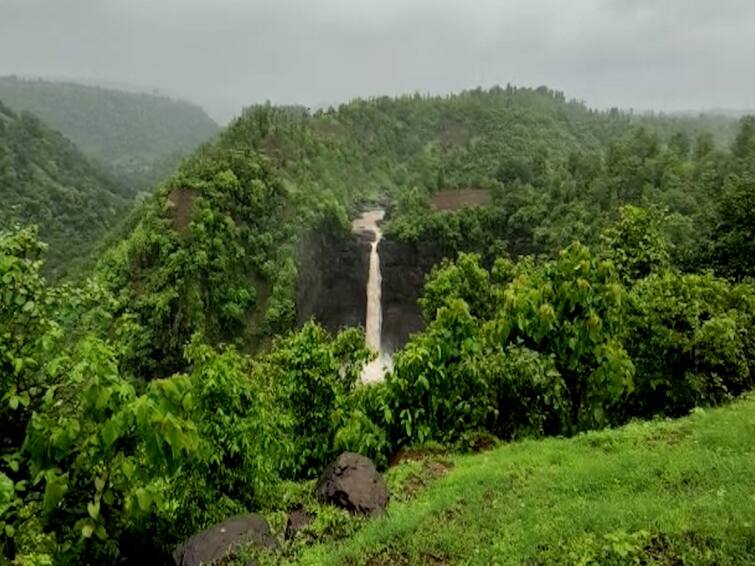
353, 483
404, 268
332, 285
297, 520
208, 546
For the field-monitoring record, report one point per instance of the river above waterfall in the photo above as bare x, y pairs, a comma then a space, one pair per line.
369, 223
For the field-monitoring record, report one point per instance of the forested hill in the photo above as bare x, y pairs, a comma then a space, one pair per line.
138, 138
44, 180
218, 248
607, 278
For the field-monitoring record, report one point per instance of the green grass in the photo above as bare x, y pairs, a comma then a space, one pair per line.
663, 492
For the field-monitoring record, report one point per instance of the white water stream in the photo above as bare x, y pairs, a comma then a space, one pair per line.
375, 370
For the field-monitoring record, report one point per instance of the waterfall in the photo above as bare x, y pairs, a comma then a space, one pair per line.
375, 370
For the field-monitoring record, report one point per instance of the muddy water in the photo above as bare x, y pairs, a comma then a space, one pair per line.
375, 370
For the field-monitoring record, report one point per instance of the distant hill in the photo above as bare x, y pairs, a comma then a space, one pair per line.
45, 180
138, 138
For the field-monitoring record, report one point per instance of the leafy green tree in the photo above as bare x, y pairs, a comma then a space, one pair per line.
680, 144
733, 237
312, 375
636, 244
744, 143
689, 337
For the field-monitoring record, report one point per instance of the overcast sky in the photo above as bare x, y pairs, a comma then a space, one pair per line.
225, 54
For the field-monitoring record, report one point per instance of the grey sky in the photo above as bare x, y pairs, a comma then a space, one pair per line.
225, 54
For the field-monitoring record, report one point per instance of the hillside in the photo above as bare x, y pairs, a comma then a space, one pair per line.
44, 180
137, 138
557, 171
664, 492
602, 277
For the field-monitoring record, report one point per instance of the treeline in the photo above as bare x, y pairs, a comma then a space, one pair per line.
170, 391
540, 205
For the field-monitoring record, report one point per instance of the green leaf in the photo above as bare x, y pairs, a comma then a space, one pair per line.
101, 532
93, 508
7, 493
144, 499
55, 489
87, 530
110, 432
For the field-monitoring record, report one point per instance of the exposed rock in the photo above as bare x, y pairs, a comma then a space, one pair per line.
353, 483
208, 546
297, 520
404, 268
332, 285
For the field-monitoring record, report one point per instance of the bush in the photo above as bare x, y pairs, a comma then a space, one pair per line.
530, 394
437, 389
311, 375
691, 338
571, 308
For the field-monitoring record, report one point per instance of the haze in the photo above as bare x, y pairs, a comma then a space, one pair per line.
226, 54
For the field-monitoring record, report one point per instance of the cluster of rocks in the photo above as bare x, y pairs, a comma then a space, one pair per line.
351, 482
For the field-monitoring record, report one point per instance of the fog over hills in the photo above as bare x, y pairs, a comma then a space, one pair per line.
226, 54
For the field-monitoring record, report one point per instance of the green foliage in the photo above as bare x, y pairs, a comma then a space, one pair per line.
45, 181
572, 308
312, 375
733, 249
636, 244
463, 279
195, 261
360, 425
691, 338
437, 389
138, 138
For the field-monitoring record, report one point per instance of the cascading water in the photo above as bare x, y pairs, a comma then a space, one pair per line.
375, 370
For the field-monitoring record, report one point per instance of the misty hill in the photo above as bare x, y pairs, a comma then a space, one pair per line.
45, 180
138, 138
223, 242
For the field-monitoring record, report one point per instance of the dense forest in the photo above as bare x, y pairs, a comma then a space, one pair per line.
137, 138
609, 279
45, 181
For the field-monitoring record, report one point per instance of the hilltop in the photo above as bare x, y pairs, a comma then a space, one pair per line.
137, 138
664, 492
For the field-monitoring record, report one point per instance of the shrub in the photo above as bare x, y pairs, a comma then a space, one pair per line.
530, 394
311, 375
690, 337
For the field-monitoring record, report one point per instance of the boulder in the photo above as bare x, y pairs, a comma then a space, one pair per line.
297, 520
208, 546
353, 483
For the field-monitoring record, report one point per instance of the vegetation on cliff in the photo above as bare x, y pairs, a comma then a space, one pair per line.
170, 390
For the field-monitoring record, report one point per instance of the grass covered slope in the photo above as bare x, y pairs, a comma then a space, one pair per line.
662, 492
139, 138
44, 180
